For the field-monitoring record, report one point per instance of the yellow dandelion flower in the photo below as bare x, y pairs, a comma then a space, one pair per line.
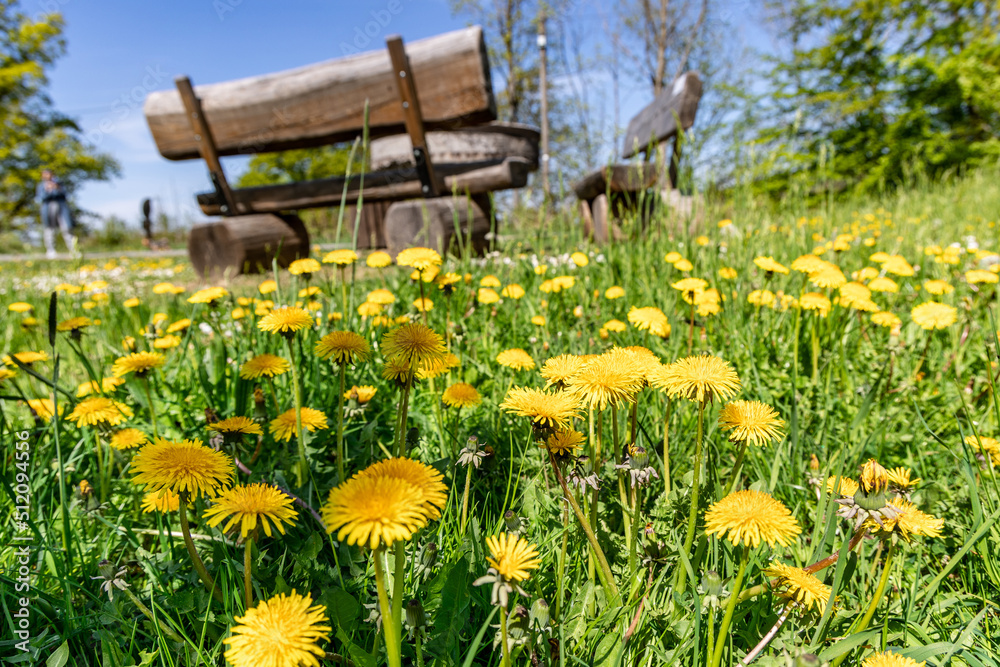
898, 266
616, 326
99, 411
161, 501
985, 445
901, 478
769, 265
247, 504
612, 379
701, 378
282, 427
848, 487
649, 319
886, 319
432, 491
20, 307
909, 521
751, 421
342, 257
931, 315
815, 302
369, 309
830, 276
437, 366
808, 264
283, 631
27, 358
487, 296
512, 556
981, 276
361, 394
185, 467
236, 426
382, 297
374, 511
558, 370
517, 359
889, 659
938, 287
209, 295
728, 273
761, 297
106, 386
797, 584
544, 409
43, 408
672, 257
398, 370
420, 259
127, 438
140, 363
74, 324
884, 285
461, 395
424, 304
513, 291
378, 259
690, 288
304, 267
563, 442
264, 365
538, 320
489, 281
343, 347
874, 478
580, 259
683, 265
751, 517
267, 287
286, 320
614, 292
166, 342
413, 343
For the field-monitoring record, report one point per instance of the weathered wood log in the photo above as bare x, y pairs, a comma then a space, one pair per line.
599, 209
391, 185
657, 122
246, 244
616, 178
432, 223
324, 103
478, 145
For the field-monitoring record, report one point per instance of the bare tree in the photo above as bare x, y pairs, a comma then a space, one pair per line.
668, 33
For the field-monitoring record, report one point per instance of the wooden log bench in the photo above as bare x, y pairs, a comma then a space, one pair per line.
610, 193
437, 90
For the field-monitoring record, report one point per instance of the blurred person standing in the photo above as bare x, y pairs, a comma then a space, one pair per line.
51, 198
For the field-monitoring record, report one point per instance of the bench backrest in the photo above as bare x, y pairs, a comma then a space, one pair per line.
324, 103
658, 121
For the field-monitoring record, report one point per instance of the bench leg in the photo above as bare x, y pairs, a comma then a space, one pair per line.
586, 219
599, 212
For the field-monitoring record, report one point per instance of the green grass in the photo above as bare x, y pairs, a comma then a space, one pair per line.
847, 389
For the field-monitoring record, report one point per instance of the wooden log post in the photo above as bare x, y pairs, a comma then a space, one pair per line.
246, 244
432, 223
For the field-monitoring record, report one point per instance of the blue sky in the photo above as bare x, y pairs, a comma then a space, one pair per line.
119, 50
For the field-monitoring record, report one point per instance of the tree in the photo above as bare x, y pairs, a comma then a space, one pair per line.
874, 90
33, 135
304, 164
669, 32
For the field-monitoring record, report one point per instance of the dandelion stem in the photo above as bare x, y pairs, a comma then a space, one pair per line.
720, 638
340, 425
693, 515
465, 497
199, 566
691, 330
247, 570
303, 467
607, 578
666, 449
711, 635
876, 598
561, 566
503, 637
392, 637
766, 639
404, 404
152, 409
734, 476
274, 395
100, 466
622, 494
166, 629
634, 544
399, 549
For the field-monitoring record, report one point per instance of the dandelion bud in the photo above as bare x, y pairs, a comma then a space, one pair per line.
638, 458
512, 521
429, 557
814, 463
539, 614
874, 478
712, 583
415, 617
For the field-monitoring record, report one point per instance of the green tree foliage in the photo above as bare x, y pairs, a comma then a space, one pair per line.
304, 164
876, 90
33, 135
